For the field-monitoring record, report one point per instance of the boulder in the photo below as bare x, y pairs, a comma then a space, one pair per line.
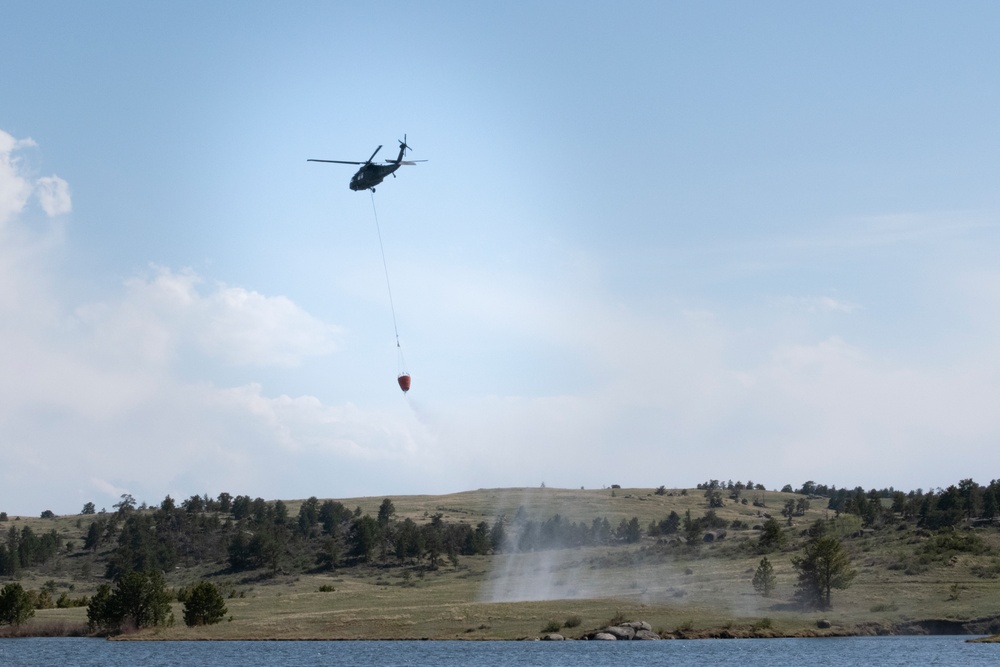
620, 631
624, 631
553, 637
637, 625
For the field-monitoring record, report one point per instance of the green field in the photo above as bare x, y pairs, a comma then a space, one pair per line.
681, 590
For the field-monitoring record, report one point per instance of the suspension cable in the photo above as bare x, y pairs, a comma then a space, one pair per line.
385, 267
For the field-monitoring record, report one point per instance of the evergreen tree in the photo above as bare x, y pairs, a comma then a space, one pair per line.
204, 605
363, 538
93, 539
669, 525
15, 605
332, 514
630, 531
771, 537
385, 512
498, 535
140, 547
692, 528
101, 614
139, 600
239, 555
308, 516
764, 580
142, 599
823, 566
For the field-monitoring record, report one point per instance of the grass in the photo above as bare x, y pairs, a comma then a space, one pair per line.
694, 591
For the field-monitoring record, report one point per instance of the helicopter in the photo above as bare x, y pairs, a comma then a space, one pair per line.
372, 174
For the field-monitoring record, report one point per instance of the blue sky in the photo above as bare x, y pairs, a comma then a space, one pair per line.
653, 243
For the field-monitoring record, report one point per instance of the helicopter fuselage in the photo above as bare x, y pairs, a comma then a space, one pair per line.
371, 175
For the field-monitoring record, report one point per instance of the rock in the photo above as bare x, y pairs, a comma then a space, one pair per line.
553, 637
646, 634
823, 624
638, 625
604, 636
620, 631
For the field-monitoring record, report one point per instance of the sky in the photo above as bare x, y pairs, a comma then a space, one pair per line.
652, 244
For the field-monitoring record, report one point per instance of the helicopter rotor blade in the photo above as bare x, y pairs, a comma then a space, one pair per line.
334, 161
373, 154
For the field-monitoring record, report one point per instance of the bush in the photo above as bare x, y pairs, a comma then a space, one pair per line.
572, 621
552, 626
617, 619
949, 543
204, 605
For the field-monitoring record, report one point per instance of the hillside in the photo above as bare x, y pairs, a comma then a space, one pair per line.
320, 577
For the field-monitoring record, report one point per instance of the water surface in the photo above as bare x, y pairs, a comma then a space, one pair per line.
948, 651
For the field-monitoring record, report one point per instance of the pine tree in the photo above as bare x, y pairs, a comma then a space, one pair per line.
15, 605
764, 581
823, 566
204, 605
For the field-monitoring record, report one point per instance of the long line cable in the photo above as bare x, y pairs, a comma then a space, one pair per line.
385, 267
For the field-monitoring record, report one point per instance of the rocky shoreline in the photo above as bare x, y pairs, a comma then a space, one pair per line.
642, 631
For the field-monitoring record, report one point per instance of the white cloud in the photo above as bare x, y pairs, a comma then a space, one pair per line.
53, 195
161, 314
15, 189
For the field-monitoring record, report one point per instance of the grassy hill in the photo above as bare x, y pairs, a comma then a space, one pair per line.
907, 576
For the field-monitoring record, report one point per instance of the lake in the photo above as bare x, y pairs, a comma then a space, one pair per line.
940, 651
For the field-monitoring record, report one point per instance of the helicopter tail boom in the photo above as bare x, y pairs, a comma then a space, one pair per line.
402, 152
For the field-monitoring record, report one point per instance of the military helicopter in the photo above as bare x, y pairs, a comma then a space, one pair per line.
372, 174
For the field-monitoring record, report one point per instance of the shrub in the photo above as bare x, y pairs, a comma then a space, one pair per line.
617, 619
949, 543
552, 626
572, 621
